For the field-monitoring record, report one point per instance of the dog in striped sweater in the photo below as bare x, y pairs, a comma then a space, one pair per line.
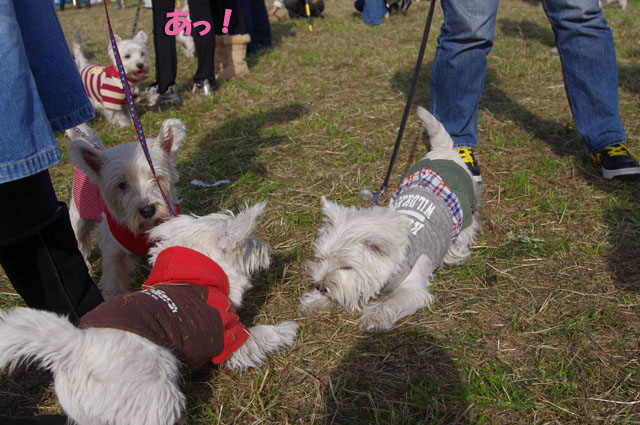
103, 85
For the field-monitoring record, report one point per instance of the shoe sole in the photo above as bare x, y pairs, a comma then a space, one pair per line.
624, 174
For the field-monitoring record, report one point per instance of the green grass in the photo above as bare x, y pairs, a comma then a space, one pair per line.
540, 326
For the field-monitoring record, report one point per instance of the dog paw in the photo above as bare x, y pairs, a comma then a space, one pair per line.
372, 321
314, 302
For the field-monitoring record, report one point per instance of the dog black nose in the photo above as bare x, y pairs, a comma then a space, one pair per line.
148, 211
140, 65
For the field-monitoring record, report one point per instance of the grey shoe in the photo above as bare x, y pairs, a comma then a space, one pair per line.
169, 97
153, 98
202, 87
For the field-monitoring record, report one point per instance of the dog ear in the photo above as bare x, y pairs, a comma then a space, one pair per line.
379, 246
330, 209
242, 226
87, 158
142, 37
170, 137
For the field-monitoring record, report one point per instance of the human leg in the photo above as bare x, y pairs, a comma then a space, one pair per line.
164, 45
459, 67
39, 252
590, 71
200, 10
589, 67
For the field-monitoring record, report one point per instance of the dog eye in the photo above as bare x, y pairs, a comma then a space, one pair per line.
123, 186
346, 268
127, 56
141, 53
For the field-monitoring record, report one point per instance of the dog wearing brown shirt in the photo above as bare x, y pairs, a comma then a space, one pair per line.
121, 363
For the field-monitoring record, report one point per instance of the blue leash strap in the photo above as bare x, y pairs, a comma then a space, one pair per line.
135, 20
133, 110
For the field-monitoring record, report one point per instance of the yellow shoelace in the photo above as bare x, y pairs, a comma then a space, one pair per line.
465, 154
617, 150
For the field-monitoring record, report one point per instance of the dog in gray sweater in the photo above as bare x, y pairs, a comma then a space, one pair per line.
394, 251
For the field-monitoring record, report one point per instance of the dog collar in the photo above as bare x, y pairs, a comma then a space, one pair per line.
138, 244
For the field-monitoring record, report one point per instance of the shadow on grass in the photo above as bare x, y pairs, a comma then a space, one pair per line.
528, 30
624, 238
629, 78
229, 151
396, 378
23, 391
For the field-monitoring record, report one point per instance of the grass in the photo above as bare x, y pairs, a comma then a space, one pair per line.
540, 326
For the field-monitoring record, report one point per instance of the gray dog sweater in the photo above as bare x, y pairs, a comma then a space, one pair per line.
438, 197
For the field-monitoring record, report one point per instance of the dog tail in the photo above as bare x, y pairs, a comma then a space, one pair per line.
438, 136
85, 133
28, 335
263, 340
76, 48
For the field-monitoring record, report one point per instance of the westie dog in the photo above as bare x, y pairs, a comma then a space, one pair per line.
121, 365
133, 203
103, 85
361, 253
623, 3
186, 41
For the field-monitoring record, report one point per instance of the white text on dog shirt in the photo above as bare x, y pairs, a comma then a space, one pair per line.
162, 296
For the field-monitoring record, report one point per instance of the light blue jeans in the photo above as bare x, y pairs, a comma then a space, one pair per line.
587, 53
41, 88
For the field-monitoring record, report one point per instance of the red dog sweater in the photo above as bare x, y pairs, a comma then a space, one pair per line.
184, 307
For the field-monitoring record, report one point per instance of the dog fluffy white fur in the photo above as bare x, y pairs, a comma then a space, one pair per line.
107, 376
130, 194
359, 249
135, 61
186, 41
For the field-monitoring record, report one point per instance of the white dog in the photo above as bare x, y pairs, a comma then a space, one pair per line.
103, 85
186, 41
361, 253
623, 3
104, 375
133, 203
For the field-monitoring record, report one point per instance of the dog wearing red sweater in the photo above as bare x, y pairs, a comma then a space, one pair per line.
121, 362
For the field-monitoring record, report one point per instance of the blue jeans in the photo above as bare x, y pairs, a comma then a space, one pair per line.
587, 53
41, 88
373, 11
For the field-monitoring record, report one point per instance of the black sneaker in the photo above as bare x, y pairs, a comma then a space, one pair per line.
617, 162
202, 88
469, 158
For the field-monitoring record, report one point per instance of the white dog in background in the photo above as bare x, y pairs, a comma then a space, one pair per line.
362, 253
103, 84
623, 3
186, 41
133, 201
104, 375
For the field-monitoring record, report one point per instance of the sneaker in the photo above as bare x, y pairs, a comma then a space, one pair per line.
617, 162
470, 159
202, 87
168, 98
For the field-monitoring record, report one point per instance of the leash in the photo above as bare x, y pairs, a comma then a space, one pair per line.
135, 20
407, 108
88, 138
133, 110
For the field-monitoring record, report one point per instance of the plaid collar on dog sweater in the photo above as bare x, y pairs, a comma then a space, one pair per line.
450, 182
184, 307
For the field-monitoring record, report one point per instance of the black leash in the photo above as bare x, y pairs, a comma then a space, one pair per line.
407, 108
